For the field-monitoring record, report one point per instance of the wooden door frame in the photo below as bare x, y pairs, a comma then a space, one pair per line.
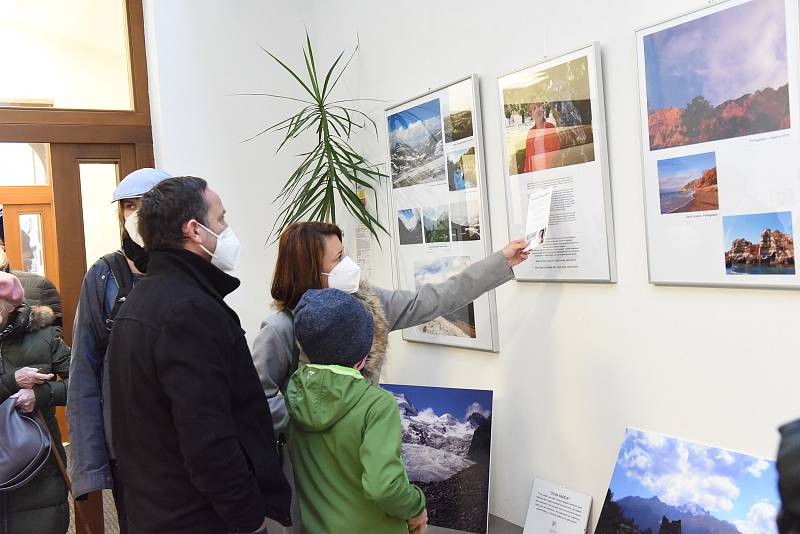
66, 130
33, 125
68, 210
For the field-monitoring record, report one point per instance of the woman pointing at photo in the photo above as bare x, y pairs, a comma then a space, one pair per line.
311, 256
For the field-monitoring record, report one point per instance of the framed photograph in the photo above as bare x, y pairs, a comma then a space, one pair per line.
447, 441
554, 136
438, 199
718, 99
665, 484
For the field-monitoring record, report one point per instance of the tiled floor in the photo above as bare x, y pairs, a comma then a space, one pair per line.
496, 524
109, 512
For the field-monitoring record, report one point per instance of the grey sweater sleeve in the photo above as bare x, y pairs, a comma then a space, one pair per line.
272, 357
410, 308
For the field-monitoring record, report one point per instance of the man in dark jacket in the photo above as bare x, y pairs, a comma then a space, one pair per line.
92, 466
191, 425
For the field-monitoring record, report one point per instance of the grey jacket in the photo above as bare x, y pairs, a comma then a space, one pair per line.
274, 345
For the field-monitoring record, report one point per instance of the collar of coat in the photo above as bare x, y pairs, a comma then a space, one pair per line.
380, 341
27, 318
187, 263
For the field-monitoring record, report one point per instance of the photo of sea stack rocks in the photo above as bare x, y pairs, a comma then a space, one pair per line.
759, 243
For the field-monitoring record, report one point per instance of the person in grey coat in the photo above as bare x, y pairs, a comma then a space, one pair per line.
311, 256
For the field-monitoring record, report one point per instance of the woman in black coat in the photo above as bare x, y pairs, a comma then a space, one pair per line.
32, 354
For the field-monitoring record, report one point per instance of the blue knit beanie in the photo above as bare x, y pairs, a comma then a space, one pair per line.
333, 327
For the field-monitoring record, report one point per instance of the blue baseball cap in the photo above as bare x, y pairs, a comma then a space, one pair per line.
138, 183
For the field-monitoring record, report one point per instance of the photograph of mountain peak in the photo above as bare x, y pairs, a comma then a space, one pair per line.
719, 76
459, 323
447, 435
416, 151
665, 485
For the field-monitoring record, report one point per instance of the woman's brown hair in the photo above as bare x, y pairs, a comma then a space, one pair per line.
301, 248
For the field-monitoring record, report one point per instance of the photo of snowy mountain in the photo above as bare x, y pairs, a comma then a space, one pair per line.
416, 151
446, 450
460, 323
665, 484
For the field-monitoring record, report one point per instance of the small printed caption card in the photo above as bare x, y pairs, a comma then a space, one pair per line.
557, 510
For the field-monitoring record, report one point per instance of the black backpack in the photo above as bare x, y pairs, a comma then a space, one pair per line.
118, 264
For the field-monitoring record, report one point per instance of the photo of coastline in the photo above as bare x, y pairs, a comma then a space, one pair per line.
719, 76
688, 183
668, 485
759, 243
415, 145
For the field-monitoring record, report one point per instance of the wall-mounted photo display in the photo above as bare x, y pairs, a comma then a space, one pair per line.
665, 484
718, 99
435, 154
554, 135
447, 440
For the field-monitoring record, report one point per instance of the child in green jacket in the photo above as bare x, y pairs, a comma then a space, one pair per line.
344, 434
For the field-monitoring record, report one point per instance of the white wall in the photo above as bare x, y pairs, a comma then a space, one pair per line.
72, 54
578, 363
199, 53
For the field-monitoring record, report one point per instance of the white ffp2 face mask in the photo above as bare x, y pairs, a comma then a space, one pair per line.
132, 227
345, 276
226, 255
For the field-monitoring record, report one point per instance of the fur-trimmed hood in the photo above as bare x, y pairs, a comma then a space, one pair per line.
41, 317
380, 342
28, 318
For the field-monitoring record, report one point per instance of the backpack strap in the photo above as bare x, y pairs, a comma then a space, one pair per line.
118, 265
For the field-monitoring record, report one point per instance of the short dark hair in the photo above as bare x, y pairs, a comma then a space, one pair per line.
167, 207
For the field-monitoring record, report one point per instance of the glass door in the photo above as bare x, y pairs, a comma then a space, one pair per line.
30, 239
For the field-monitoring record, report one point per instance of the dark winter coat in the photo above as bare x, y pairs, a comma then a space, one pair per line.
39, 291
30, 340
191, 425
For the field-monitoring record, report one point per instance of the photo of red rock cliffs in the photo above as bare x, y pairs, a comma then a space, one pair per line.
719, 76
760, 243
766, 110
688, 183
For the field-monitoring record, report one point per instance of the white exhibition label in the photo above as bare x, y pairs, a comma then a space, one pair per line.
538, 217
557, 510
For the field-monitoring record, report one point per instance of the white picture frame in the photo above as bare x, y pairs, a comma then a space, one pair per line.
570, 155
435, 188
706, 228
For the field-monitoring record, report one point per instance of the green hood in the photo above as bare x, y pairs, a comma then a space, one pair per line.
319, 395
